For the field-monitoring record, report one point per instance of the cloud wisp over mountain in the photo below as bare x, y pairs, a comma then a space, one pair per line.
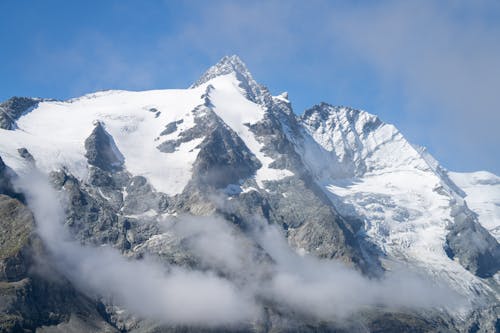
231, 283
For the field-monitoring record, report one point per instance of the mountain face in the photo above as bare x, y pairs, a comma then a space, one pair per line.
133, 170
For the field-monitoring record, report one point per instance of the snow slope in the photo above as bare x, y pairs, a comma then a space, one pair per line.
55, 132
482, 196
400, 192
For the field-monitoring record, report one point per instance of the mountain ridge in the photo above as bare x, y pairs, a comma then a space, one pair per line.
338, 182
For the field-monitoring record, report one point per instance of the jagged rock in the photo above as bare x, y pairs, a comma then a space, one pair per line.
223, 159
24, 153
102, 151
473, 245
483, 320
171, 127
33, 294
142, 198
13, 108
6, 186
205, 121
15, 238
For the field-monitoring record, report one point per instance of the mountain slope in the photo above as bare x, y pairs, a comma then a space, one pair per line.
337, 182
407, 201
482, 193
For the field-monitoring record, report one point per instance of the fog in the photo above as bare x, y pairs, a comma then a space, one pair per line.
238, 272
144, 287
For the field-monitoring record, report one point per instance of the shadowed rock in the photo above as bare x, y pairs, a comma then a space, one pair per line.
6, 187
13, 108
102, 151
34, 296
475, 248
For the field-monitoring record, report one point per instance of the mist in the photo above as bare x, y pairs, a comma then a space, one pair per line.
144, 287
322, 289
238, 274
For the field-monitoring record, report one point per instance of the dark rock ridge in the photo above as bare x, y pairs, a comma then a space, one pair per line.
25, 154
13, 108
171, 127
6, 186
102, 151
34, 296
472, 244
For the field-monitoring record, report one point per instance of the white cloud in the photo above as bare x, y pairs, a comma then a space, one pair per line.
257, 267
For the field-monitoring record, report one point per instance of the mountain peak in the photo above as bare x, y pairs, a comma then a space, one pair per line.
227, 65
233, 64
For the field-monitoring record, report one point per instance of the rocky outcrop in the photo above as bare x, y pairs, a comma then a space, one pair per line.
33, 294
223, 159
97, 212
26, 155
6, 186
102, 151
475, 248
13, 108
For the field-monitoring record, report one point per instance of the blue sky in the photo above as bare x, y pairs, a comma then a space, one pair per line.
432, 68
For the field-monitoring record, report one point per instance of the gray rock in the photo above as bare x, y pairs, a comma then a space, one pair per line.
6, 186
24, 153
13, 108
475, 248
171, 127
102, 151
141, 197
223, 159
33, 294
169, 146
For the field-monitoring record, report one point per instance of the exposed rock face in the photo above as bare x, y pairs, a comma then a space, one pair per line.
33, 295
25, 154
171, 127
476, 249
6, 186
17, 226
98, 214
102, 151
223, 159
13, 108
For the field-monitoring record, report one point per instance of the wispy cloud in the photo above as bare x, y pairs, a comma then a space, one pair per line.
235, 276
447, 57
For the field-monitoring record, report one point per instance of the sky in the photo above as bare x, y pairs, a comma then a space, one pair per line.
432, 68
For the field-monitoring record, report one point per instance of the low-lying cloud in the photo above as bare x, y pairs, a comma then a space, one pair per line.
145, 287
238, 272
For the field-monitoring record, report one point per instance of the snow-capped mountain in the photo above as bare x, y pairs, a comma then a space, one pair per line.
406, 199
339, 182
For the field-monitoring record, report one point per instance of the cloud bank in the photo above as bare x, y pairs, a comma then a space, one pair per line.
148, 289
238, 273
